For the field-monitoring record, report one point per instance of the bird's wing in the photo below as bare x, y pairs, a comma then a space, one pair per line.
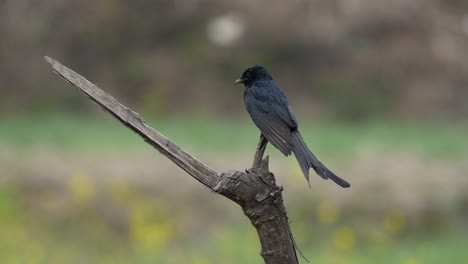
272, 122
291, 118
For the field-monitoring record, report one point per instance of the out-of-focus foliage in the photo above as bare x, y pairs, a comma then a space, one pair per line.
350, 59
77, 189
67, 195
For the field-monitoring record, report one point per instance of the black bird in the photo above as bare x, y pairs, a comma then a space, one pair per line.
271, 112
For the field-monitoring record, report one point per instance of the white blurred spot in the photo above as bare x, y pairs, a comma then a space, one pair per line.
226, 29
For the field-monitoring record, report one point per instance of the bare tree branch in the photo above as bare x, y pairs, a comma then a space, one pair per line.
133, 121
262, 144
255, 191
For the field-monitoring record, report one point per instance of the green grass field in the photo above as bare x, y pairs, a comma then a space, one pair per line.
441, 139
55, 208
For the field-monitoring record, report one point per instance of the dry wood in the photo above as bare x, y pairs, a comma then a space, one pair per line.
254, 190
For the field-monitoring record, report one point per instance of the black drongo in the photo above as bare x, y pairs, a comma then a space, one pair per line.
271, 112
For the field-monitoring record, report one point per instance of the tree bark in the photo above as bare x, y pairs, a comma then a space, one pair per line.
254, 190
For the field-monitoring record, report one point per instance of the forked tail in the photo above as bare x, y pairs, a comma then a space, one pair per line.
307, 159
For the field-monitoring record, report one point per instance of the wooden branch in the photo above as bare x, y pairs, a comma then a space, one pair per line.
262, 203
262, 144
255, 191
133, 121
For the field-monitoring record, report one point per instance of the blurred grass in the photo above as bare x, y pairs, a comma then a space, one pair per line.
77, 217
439, 139
82, 235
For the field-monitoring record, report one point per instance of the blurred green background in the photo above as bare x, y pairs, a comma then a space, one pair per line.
380, 89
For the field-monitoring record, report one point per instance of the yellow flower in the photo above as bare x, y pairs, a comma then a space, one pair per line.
151, 236
327, 212
344, 238
81, 187
394, 222
150, 227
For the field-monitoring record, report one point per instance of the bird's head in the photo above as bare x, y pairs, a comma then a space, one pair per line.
253, 74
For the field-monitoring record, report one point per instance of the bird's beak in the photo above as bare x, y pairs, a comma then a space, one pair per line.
240, 80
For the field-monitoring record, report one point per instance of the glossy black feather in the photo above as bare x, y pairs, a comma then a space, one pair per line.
266, 117
272, 114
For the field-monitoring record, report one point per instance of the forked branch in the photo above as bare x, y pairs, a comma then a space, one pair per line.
256, 191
